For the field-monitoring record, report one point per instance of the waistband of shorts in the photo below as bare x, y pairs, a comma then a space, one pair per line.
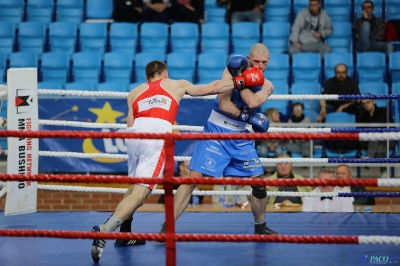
226, 122
156, 122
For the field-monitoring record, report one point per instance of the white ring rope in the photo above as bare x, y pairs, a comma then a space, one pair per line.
379, 240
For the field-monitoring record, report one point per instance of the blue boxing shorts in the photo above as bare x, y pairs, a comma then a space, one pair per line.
235, 158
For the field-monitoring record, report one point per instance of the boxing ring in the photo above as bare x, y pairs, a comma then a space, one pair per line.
63, 238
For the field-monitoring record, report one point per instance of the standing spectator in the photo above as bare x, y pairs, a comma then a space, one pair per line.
270, 148
240, 10
343, 172
188, 11
371, 113
156, 11
128, 11
310, 29
284, 170
299, 146
369, 31
327, 204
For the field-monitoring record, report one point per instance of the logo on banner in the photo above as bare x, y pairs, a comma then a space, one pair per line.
23, 101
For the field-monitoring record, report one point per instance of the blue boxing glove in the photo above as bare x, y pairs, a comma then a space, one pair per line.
237, 64
259, 122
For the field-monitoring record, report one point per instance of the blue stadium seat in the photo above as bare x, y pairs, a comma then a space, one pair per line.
275, 35
99, 9
181, 65
375, 88
7, 37
50, 85
32, 36
124, 37
341, 38
93, 37
306, 67
134, 85
332, 59
3, 67
281, 105
278, 11
40, 10
12, 10
244, 36
214, 13
377, 10
23, 59
278, 68
211, 67
338, 10
215, 37
371, 67
298, 5
112, 86
311, 107
6, 47
281, 87
154, 37
394, 66
184, 37
118, 67
80, 86
392, 9
142, 59
70, 11
62, 37
86, 67
55, 67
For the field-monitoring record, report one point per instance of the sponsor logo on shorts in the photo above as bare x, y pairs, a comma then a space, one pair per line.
217, 142
253, 163
209, 164
226, 123
214, 149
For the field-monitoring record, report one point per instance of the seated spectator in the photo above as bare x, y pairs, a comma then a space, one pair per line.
343, 172
299, 146
188, 11
327, 204
341, 83
284, 170
371, 113
270, 148
156, 11
310, 29
127, 11
239, 10
369, 31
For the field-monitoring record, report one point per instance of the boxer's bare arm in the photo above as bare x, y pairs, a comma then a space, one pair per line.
215, 87
255, 100
224, 100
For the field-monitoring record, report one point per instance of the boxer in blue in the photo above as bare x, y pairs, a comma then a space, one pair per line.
231, 113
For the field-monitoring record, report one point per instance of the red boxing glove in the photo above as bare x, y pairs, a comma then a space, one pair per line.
249, 78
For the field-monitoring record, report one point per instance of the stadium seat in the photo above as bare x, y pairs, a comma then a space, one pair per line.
281, 87
3, 67
70, 11
32, 36
118, 67
215, 37
281, 105
50, 85
332, 59
278, 11
184, 37
211, 67
124, 37
6, 47
112, 86
338, 10
7, 37
23, 59
134, 85
377, 8
244, 36
86, 67
181, 65
142, 59
213, 12
62, 37
275, 35
392, 9
99, 9
371, 67
394, 66
278, 68
341, 38
40, 10
298, 5
12, 11
306, 67
311, 107
80, 86
55, 67
375, 88
154, 37
93, 37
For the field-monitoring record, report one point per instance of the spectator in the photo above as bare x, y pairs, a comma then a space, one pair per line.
299, 146
156, 11
369, 31
284, 170
128, 11
188, 11
270, 148
310, 29
343, 172
327, 204
239, 10
371, 113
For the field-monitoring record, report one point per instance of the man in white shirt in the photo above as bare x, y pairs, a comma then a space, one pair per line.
327, 204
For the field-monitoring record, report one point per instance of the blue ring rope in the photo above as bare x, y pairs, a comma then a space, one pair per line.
366, 96
369, 194
364, 130
363, 160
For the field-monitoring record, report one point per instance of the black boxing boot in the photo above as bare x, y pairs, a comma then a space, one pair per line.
262, 229
126, 227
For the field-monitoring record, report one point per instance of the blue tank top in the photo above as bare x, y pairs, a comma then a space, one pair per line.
237, 100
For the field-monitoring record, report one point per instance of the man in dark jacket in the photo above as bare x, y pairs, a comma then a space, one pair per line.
239, 10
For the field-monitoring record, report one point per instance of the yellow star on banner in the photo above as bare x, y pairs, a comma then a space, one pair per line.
106, 114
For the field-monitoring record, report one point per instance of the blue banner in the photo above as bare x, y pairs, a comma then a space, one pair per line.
193, 112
